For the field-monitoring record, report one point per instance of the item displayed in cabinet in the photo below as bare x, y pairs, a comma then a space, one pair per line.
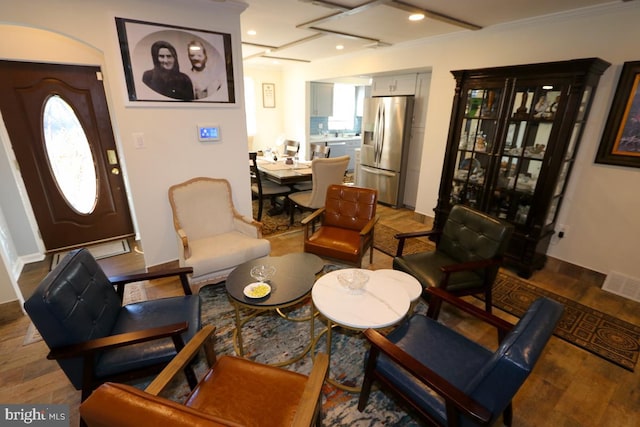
504, 121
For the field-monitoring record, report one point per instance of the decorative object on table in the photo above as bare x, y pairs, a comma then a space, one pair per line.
285, 398
345, 225
123, 341
268, 95
325, 172
353, 280
213, 238
168, 63
620, 144
467, 256
458, 381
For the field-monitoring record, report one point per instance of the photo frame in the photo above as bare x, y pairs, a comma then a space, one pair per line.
620, 144
268, 95
168, 63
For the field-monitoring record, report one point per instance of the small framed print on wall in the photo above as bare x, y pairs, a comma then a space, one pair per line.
620, 144
168, 63
268, 95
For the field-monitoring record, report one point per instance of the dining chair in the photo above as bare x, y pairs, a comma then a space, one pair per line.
233, 392
324, 172
449, 379
291, 148
318, 151
467, 257
78, 311
263, 189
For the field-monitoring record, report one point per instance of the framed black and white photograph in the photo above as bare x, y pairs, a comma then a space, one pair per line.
168, 63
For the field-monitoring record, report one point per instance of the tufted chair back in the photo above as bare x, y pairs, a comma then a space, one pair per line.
348, 220
349, 207
76, 302
470, 235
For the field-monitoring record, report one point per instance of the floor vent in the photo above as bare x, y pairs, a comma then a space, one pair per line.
622, 285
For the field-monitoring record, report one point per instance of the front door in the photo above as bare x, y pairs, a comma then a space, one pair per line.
59, 126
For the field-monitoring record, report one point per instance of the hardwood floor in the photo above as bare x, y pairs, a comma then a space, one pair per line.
568, 387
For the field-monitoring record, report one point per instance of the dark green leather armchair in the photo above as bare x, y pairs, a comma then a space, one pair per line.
467, 256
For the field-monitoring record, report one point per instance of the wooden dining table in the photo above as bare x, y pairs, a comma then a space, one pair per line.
285, 174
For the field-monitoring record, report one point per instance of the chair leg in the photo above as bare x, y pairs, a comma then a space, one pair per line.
292, 208
487, 300
259, 209
507, 415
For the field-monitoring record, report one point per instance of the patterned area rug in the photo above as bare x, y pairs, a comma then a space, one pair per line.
268, 338
384, 241
601, 334
277, 224
606, 336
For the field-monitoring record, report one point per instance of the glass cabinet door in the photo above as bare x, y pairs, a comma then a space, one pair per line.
529, 128
478, 139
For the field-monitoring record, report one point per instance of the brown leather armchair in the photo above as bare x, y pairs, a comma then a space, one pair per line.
233, 392
347, 225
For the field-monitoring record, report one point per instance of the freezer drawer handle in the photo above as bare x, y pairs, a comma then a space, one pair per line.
377, 171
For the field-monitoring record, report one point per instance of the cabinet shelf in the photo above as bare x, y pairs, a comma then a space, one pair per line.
513, 137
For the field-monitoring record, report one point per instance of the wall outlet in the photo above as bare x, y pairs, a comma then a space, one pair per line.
562, 231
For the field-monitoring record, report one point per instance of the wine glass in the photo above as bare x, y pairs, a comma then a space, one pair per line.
263, 272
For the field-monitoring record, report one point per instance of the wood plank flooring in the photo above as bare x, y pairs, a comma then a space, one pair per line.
568, 387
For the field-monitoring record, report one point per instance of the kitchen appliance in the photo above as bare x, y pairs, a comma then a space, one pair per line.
386, 131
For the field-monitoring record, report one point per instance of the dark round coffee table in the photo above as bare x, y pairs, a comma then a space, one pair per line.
291, 284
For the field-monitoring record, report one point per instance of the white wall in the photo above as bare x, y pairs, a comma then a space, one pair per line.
270, 121
83, 32
602, 199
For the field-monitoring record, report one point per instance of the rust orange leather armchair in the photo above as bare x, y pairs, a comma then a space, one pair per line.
347, 225
234, 392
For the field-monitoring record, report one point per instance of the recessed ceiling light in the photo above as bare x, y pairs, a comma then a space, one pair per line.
339, 47
252, 32
416, 17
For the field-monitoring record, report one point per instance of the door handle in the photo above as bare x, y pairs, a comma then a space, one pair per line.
377, 171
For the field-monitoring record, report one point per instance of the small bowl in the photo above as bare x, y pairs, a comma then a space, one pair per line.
353, 280
263, 272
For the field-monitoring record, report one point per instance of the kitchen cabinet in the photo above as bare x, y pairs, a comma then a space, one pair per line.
321, 102
345, 147
394, 85
513, 138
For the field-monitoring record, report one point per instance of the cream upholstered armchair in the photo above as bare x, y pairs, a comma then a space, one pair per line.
213, 238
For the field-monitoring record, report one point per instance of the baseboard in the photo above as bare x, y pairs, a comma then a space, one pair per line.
585, 275
10, 311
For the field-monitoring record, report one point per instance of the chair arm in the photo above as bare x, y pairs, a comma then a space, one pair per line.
442, 295
404, 236
369, 226
309, 400
121, 281
202, 339
441, 386
247, 226
120, 340
184, 240
308, 219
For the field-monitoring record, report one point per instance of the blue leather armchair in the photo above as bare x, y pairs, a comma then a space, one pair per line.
447, 378
79, 313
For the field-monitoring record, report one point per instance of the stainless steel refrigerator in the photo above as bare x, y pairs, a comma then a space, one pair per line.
386, 131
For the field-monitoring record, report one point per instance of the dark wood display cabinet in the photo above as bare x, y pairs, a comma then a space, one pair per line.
511, 146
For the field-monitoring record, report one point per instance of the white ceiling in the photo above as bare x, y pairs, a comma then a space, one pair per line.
307, 30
